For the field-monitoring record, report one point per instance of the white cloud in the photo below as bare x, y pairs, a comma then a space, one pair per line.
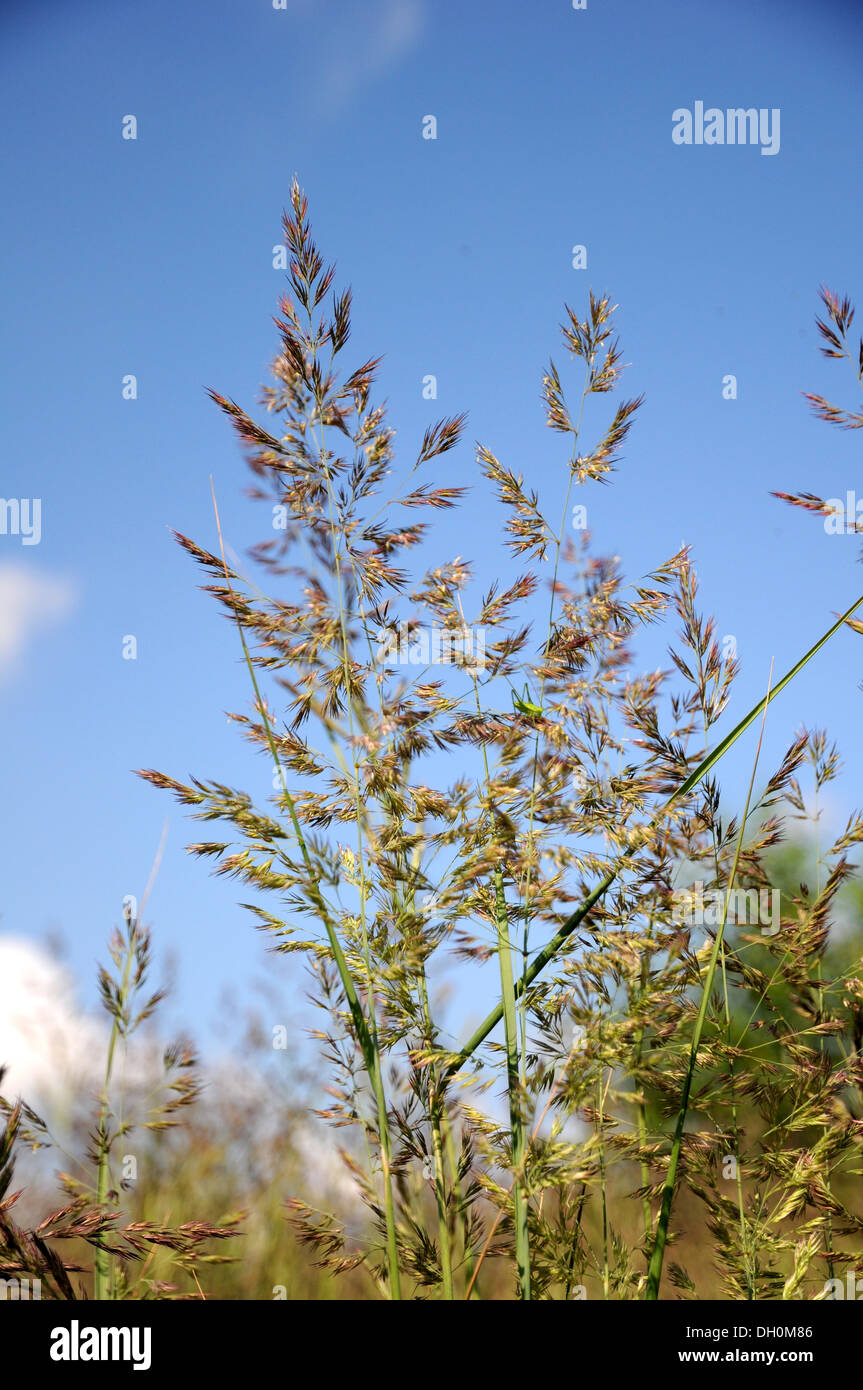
29, 601
50, 1047
54, 1052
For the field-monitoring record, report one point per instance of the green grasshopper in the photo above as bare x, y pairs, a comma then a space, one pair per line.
525, 705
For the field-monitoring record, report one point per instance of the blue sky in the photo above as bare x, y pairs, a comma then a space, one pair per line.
154, 257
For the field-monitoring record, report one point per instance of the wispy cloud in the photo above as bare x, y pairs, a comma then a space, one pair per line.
29, 601
364, 43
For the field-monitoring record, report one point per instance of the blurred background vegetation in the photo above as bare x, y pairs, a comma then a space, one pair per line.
251, 1143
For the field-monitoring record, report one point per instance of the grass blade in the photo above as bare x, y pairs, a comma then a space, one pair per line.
516, 1119
654, 1272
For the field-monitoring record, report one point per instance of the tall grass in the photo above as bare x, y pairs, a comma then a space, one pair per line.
113, 1252
542, 801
